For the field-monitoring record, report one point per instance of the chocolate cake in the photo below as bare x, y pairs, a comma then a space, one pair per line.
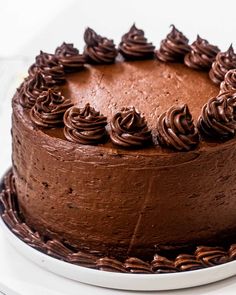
124, 154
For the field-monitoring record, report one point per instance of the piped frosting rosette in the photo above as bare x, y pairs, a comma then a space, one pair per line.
129, 129
85, 125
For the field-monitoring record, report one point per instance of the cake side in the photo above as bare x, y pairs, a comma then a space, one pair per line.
121, 204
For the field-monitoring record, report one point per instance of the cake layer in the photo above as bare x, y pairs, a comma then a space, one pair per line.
120, 202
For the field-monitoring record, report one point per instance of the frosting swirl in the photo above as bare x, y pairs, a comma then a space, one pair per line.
66, 49
49, 109
224, 62
10, 183
56, 249
50, 67
211, 256
175, 129
135, 265
85, 125
229, 83
83, 259
186, 262
109, 264
30, 90
161, 264
202, 54
217, 119
134, 45
70, 58
129, 129
232, 252
98, 50
174, 47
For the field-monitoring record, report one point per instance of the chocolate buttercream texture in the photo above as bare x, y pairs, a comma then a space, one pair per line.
204, 256
174, 47
129, 129
119, 182
70, 57
210, 256
30, 89
109, 208
202, 55
229, 83
134, 45
176, 129
187, 262
224, 62
218, 116
50, 68
98, 49
85, 125
49, 109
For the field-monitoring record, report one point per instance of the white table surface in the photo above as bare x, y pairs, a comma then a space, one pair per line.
27, 26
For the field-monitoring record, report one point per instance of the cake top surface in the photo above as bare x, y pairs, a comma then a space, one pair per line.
133, 96
151, 86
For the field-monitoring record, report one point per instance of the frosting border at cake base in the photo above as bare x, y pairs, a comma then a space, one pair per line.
202, 257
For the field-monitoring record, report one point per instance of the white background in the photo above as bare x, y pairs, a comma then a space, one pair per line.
26, 26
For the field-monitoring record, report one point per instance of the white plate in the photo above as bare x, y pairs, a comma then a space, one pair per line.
136, 282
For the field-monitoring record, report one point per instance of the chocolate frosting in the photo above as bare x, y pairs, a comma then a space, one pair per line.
229, 83
202, 54
135, 265
176, 130
117, 187
50, 67
150, 85
161, 264
211, 256
186, 262
217, 119
30, 89
174, 47
129, 129
83, 259
66, 49
98, 50
109, 264
224, 62
203, 257
126, 185
135, 46
85, 125
70, 58
49, 109
232, 252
